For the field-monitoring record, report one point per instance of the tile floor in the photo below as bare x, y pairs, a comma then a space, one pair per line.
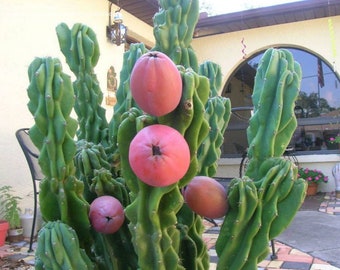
287, 257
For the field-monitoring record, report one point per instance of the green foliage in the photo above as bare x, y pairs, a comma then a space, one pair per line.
9, 207
312, 176
312, 105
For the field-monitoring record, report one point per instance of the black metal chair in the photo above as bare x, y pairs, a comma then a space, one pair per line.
31, 153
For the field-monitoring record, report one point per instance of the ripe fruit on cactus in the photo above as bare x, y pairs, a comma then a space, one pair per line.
156, 84
159, 155
206, 197
106, 214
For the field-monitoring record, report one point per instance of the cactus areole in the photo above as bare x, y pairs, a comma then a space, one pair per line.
156, 84
159, 155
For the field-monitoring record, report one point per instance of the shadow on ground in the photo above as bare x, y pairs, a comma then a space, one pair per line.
312, 203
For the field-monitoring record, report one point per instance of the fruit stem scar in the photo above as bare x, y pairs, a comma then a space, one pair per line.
153, 55
156, 150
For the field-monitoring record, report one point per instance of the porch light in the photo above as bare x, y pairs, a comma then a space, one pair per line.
116, 30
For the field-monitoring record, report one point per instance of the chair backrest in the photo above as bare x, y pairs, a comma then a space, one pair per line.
31, 153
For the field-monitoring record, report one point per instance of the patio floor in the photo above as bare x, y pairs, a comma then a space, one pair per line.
287, 257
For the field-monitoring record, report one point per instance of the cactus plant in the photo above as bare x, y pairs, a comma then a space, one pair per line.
265, 201
160, 231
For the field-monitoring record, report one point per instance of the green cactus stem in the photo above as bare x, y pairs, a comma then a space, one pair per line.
124, 101
58, 248
193, 251
277, 84
174, 27
218, 114
152, 213
51, 100
264, 202
80, 47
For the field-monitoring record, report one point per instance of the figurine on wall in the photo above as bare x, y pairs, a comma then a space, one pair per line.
111, 87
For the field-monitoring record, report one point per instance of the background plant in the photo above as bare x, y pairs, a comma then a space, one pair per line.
335, 139
312, 175
9, 207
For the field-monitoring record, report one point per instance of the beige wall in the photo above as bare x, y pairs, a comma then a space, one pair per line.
313, 36
28, 30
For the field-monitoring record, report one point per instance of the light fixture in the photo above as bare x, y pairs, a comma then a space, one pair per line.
116, 30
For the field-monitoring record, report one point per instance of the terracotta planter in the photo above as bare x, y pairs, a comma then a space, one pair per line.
312, 189
4, 225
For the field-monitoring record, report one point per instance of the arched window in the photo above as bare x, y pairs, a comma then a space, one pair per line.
317, 107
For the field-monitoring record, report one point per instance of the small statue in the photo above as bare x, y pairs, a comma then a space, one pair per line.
336, 174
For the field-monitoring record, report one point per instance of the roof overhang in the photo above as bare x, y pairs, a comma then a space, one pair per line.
238, 21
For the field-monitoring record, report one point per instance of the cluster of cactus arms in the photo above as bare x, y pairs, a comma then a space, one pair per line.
61, 249
160, 231
265, 200
81, 49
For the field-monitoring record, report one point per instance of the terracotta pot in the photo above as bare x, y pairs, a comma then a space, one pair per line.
312, 189
4, 225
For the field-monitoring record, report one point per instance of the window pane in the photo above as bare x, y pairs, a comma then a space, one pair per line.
317, 108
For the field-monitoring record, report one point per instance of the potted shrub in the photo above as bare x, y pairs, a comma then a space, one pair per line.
336, 139
10, 211
313, 178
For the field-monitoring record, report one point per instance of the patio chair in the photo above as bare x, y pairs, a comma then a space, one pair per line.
31, 154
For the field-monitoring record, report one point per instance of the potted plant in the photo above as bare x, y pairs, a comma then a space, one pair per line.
313, 178
10, 211
4, 225
336, 139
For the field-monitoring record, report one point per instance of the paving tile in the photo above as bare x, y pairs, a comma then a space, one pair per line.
5, 251
296, 265
263, 264
284, 250
29, 260
295, 251
16, 257
295, 258
318, 261
323, 267
275, 264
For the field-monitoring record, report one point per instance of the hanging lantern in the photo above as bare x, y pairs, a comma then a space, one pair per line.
116, 30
